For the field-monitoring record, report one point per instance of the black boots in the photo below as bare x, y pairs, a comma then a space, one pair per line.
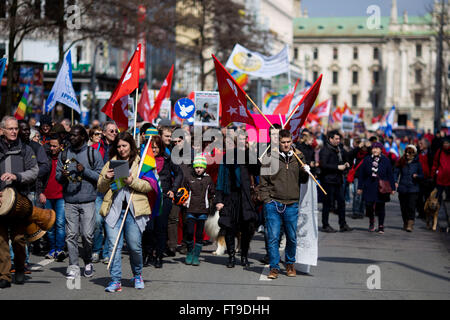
158, 262
244, 262
231, 260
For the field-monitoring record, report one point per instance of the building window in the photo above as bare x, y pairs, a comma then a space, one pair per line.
375, 100
418, 75
376, 77
354, 100
295, 53
335, 77
37, 9
54, 9
417, 99
418, 50
79, 54
355, 77
315, 54
355, 53
335, 53
315, 75
334, 98
376, 54
2, 9
2, 50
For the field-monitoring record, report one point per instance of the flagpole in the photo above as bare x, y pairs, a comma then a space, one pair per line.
259, 110
72, 116
135, 112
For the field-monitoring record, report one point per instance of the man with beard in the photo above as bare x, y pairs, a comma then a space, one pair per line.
79, 180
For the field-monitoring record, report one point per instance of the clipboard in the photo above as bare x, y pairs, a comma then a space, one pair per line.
121, 169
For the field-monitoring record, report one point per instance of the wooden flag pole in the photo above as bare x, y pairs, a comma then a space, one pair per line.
310, 174
72, 117
120, 231
135, 112
259, 110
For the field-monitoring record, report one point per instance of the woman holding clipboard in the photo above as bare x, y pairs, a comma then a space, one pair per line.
117, 194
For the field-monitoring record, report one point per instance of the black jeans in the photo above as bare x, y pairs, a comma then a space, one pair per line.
155, 234
335, 192
247, 229
195, 226
408, 203
376, 207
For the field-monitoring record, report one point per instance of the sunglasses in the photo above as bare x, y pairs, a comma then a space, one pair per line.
97, 134
113, 131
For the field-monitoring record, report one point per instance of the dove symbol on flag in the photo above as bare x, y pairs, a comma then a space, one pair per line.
128, 75
184, 111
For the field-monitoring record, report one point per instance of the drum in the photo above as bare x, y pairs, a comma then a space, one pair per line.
16, 206
33, 232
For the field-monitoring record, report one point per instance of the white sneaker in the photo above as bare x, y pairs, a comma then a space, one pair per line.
73, 271
89, 270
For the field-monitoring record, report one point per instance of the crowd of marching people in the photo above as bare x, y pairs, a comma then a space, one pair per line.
69, 169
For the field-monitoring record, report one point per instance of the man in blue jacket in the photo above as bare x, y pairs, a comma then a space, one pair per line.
78, 170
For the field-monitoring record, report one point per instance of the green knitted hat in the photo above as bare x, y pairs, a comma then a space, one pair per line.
199, 161
150, 132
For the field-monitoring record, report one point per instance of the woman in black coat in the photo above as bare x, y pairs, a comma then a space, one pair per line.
235, 182
374, 168
409, 170
170, 176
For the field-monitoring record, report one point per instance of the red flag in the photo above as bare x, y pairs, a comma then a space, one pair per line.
144, 107
164, 93
301, 113
120, 113
285, 103
322, 109
232, 97
128, 82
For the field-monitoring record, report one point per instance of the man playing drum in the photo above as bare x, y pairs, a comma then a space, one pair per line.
18, 169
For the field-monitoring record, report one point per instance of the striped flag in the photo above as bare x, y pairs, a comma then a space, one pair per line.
241, 78
23, 104
148, 172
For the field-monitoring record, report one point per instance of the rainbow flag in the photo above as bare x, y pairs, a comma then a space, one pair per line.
148, 172
270, 95
23, 104
241, 78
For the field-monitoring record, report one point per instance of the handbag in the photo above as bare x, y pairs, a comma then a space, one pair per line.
384, 186
352, 172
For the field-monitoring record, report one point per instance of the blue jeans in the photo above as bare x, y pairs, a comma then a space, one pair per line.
276, 214
133, 236
57, 234
99, 227
358, 202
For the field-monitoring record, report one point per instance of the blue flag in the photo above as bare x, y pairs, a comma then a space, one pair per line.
62, 90
2, 70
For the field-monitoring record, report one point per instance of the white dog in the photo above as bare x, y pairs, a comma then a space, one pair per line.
212, 228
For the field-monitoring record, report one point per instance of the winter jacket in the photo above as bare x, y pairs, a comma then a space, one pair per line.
284, 185
44, 165
85, 190
408, 184
425, 159
19, 159
329, 161
103, 148
441, 168
307, 151
201, 190
170, 175
369, 184
140, 187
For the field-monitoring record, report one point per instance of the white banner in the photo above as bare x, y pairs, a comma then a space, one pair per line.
256, 64
307, 227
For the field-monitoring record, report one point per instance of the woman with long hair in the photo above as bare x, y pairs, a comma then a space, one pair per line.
118, 193
171, 177
408, 173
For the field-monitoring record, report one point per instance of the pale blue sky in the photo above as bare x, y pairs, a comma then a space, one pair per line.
349, 8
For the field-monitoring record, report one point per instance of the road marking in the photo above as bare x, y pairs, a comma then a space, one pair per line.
265, 273
263, 298
41, 264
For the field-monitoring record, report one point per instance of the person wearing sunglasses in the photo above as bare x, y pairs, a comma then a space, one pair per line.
100, 249
95, 134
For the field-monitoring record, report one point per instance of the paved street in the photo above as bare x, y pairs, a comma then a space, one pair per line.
412, 266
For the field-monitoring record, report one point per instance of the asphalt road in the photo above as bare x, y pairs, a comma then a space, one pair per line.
397, 265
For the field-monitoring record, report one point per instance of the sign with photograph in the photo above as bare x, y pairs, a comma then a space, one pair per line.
206, 108
347, 123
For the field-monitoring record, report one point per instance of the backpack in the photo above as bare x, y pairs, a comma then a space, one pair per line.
90, 152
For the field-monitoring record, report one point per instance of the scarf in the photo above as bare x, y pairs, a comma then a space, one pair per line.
337, 150
375, 163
